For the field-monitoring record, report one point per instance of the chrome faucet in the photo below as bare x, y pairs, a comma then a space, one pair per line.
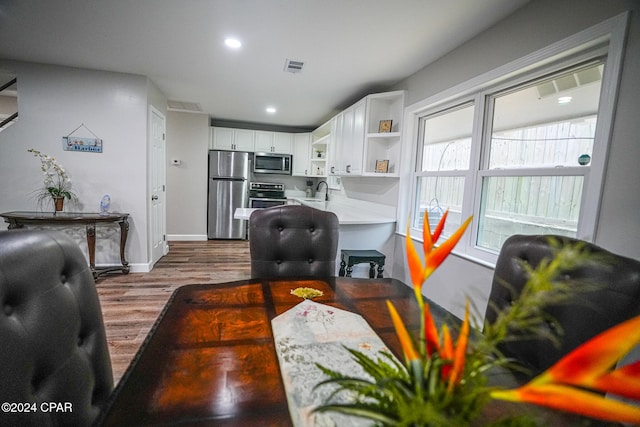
326, 194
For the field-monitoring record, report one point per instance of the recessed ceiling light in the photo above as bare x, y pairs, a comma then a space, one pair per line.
233, 43
564, 99
271, 110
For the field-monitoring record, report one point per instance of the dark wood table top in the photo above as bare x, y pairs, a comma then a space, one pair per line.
210, 357
78, 217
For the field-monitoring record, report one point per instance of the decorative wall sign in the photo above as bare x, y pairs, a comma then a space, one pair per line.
72, 143
75, 143
382, 166
385, 126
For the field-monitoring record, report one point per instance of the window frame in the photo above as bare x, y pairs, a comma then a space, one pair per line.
605, 40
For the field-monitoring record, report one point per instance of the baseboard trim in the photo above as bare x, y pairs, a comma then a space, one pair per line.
133, 268
140, 268
187, 237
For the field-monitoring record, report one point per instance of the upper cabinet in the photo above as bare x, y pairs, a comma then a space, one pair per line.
310, 152
381, 154
251, 140
232, 139
301, 154
350, 136
274, 142
320, 139
363, 140
366, 137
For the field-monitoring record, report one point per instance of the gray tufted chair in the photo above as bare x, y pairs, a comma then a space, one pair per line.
616, 297
53, 345
291, 240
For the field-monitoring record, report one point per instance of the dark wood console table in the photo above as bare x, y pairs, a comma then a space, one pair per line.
19, 219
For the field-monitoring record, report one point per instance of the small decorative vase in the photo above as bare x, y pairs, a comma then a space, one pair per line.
58, 202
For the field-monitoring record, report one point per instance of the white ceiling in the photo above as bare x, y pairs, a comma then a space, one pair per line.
349, 47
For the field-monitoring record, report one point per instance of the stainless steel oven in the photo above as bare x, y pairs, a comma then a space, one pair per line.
266, 203
266, 195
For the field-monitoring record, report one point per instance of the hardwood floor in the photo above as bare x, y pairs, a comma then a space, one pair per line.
131, 303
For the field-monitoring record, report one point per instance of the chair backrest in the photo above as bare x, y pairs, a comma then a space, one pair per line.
293, 240
610, 294
53, 344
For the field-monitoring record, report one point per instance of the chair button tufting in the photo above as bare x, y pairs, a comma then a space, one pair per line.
280, 228
311, 229
278, 261
8, 309
310, 260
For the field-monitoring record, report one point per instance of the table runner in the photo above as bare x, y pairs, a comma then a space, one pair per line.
311, 333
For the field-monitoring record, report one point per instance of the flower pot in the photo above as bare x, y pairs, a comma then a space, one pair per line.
58, 202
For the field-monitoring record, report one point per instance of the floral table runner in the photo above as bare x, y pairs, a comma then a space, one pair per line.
311, 333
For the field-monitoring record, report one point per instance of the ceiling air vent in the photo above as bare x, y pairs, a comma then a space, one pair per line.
184, 106
292, 66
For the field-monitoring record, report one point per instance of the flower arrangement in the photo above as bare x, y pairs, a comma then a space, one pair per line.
57, 183
443, 382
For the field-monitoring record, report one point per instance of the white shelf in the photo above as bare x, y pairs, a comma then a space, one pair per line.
381, 175
324, 140
384, 135
383, 145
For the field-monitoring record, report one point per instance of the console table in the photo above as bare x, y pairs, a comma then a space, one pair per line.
19, 219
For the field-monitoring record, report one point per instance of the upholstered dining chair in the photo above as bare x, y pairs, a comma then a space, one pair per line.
608, 288
293, 240
53, 351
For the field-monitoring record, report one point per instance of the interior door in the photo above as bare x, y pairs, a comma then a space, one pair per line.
157, 220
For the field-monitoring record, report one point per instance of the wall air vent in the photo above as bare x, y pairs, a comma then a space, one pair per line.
292, 66
193, 107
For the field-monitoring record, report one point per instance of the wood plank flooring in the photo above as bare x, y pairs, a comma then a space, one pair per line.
131, 303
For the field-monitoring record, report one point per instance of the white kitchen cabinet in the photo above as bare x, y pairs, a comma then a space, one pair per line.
320, 139
310, 152
231, 139
351, 139
358, 145
333, 152
283, 143
333, 157
274, 142
301, 154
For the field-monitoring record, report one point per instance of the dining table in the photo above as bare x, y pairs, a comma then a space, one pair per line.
210, 357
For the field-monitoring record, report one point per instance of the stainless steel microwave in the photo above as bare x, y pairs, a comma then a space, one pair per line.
272, 163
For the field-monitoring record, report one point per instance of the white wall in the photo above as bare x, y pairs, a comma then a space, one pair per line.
53, 101
535, 26
187, 141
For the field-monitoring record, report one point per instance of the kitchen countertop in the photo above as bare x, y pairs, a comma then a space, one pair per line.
347, 214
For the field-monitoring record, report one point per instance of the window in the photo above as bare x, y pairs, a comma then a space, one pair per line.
524, 152
445, 160
539, 149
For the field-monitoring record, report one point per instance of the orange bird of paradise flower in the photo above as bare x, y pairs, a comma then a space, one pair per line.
572, 384
454, 355
434, 256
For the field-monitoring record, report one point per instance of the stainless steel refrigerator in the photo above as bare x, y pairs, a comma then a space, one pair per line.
228, 190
